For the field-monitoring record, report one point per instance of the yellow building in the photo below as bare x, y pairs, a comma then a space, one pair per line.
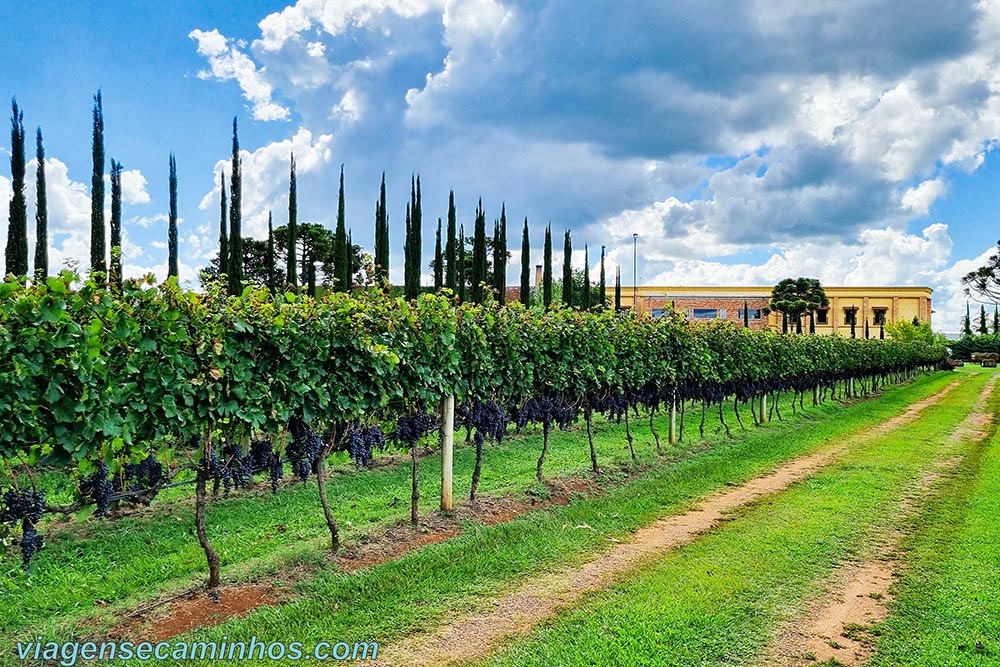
877, 305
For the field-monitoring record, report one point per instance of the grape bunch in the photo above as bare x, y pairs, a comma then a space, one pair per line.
99, 488
26, 507
146, 474
260, 454
236, 469
304, 450
411, 429
546, 410
276, 470
489, 419
362, 441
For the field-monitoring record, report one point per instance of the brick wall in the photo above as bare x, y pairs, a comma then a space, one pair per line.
731, 305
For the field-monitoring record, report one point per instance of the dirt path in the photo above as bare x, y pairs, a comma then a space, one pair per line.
474, 636
835, 626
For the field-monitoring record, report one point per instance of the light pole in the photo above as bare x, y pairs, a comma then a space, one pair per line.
635, 284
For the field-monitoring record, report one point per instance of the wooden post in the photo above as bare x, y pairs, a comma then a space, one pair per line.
447, 450
672, 437
762, 415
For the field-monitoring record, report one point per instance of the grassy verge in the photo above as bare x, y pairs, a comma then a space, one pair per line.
947, 610
719, 599
419, 590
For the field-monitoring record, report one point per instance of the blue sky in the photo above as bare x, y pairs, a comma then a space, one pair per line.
744, 142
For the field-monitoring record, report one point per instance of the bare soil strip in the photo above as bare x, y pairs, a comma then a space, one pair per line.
474, 636
835, 626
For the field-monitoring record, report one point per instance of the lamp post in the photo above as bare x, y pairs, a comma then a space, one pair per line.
635, 284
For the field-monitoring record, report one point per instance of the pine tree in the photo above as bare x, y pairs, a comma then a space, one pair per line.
460, 271
381, 235
115, 270
547, 270
340, 266
967, 321
451, 255
983, 330
479, 256
272, 267
586, 277
236, 219
291, 261
996, 320
16, 254
41, 213
172, 221
567, 280
525, 266
97, 248
223, 227
618, 289
438, 260
603, 285
500, 257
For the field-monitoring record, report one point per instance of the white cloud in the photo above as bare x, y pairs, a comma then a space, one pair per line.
134, 187
227, 62
918, 200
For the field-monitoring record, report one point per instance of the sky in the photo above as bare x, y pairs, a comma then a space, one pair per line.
743, 142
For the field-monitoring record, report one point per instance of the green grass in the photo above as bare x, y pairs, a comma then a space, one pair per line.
423, 588
719, 599
949, 595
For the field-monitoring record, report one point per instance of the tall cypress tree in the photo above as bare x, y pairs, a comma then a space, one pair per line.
967, 321
982, 321
996, 320
567, 286
547, 270
340, 266
97, 248
500, 257
438, 260
604, 287
460, 275
412, 260
586, 278
291, 261
525, 266
236, 218
496, 256
451, 252
16, 254
618, 288
381, 235
408, 290
351, 268
272, 268
479, 256
41, 213
115, 270
172, 221
223, 226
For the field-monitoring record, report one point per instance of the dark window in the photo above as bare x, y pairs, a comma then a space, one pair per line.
850, 315
880, 315
656, 312
823, 316
708, 313
755, 313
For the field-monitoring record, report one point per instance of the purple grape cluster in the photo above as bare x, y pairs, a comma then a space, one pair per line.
26, 507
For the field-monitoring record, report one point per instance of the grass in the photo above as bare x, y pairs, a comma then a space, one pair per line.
420, 590
947, 610
720, 599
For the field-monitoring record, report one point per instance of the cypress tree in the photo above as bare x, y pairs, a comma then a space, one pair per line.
982, 321
97, 248
381, 235
746, 315
340, 265
351, 268
272, 268
291, 261
408, 290
16, 254
586, 277
41, 213
115, 270
479, 256
223, 227
500, 257
967, 323
236, 219
451, 252
438, 260
618, 289
525, 266
567, 286
547, 270
603, 285
412, 260
460, 271
996, 320
172, 221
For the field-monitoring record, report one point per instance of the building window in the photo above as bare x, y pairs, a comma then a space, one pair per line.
850, 315
656, 312
708, 313
823, 316
879, 315
755, 313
